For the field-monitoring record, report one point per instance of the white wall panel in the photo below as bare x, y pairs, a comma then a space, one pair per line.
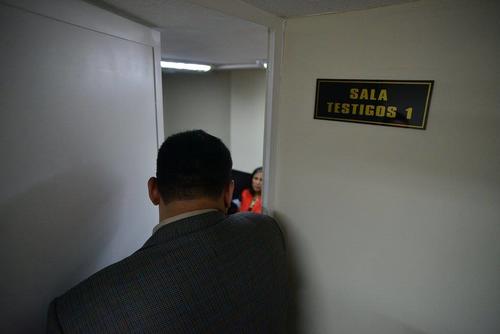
78, 143
394, 230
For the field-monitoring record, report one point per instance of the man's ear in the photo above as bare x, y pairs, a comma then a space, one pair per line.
154, 192
228, 194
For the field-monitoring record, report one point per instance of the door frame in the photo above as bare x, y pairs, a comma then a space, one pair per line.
276, 29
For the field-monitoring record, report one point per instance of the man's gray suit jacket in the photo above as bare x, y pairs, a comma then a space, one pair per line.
204, 274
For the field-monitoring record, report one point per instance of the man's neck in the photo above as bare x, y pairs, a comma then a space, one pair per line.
179, 207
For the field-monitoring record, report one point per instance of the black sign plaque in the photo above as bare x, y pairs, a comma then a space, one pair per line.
383, 102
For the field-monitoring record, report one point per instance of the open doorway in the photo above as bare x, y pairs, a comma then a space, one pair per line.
229, 104
231, 101
227, 101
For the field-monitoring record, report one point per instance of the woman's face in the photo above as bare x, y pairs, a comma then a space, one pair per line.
257, 182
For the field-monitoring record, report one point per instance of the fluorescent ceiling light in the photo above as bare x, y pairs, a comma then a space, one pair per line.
259, 64
185, 66
238, 67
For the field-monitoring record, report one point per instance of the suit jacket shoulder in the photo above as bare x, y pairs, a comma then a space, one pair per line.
207, 273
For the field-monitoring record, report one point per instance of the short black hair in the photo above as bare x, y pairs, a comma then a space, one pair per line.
192, 164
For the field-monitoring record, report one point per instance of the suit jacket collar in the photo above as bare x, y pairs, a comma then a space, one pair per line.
184, 226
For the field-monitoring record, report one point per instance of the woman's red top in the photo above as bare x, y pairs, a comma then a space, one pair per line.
246, 200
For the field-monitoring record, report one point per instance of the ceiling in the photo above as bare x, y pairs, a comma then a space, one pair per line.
196, 34
294, 8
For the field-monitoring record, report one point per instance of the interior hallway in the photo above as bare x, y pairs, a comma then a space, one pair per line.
389, 230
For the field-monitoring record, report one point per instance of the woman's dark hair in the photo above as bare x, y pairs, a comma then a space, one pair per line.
192, 164
256, 170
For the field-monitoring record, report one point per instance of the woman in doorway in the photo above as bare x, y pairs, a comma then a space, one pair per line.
251, 199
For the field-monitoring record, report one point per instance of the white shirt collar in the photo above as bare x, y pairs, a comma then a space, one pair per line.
181, 216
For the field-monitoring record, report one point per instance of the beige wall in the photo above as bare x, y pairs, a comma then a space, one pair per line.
227, 104
197, 101
248, 99
394, 230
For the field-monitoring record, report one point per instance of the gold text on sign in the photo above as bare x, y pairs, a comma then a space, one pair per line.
368, 94
362, 109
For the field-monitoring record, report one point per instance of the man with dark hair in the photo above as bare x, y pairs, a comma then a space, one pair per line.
200, 272
191, 165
